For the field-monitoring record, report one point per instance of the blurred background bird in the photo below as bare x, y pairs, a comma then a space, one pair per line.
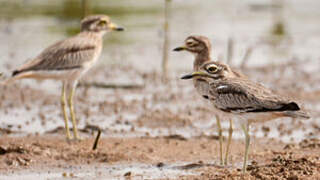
67, 61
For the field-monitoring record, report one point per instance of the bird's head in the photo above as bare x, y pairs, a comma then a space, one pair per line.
99, 24
211, 71
195, 44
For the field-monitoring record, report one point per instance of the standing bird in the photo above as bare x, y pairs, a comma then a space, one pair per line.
240, 97
200, 46
68, 60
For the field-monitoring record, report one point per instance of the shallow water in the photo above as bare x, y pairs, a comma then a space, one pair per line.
28, 26
137, 172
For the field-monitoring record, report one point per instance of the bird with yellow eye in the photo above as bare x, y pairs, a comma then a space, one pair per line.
241, 98
67, 61
200, 46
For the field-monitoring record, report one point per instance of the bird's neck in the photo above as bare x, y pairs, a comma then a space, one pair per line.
93, 34
201, 57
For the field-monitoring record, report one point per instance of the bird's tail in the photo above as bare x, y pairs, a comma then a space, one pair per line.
298, 114
4, 81
1, 81
14, 77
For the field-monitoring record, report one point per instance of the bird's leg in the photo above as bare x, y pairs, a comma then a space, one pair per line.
72, 114
64, 110
245, 129
220, 139
229, 142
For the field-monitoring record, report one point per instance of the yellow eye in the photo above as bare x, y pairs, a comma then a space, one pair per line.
102, 23
212, 68
191, 43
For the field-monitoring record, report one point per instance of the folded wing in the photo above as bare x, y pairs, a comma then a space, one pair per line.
242, 95
67, 54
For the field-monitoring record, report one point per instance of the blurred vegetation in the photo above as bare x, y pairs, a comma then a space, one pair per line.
278, 29
71, 9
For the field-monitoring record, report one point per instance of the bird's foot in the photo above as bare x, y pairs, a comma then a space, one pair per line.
78, 138
71, 140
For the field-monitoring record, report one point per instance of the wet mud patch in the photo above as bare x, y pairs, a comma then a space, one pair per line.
162, 119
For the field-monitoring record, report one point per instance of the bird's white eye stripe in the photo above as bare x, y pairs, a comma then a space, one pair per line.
190, 41
222, 87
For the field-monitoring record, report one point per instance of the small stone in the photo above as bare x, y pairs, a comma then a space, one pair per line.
2, 151
127, 174
160, 164
293, 177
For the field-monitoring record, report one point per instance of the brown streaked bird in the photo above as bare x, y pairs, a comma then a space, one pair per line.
249, 101
68, 60
200, 46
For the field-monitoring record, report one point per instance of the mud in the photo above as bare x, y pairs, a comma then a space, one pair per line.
167, 157
154, 128
166, 132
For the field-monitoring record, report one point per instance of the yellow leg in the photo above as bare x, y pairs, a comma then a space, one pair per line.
229, 142
247, 136
72, 114
220, 139
64, 111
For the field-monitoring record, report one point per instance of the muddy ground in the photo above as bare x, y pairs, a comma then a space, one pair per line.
154, 129
194, 158
172, 135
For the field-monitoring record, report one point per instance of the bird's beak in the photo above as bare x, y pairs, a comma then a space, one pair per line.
181, 48
115, 27
192, 75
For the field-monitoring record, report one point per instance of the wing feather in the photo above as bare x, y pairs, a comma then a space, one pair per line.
70, 53
242, 95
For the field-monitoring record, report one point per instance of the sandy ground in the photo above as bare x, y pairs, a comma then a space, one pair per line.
197, 156
158, 131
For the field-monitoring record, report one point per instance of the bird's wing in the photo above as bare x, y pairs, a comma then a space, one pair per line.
70, 53
243, 95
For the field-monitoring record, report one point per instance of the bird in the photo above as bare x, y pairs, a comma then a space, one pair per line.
200, 46
240, 97
67, 61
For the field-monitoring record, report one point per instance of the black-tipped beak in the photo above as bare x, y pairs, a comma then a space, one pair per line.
115, 27
188, 76
197, 73
119, 29
179, 48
